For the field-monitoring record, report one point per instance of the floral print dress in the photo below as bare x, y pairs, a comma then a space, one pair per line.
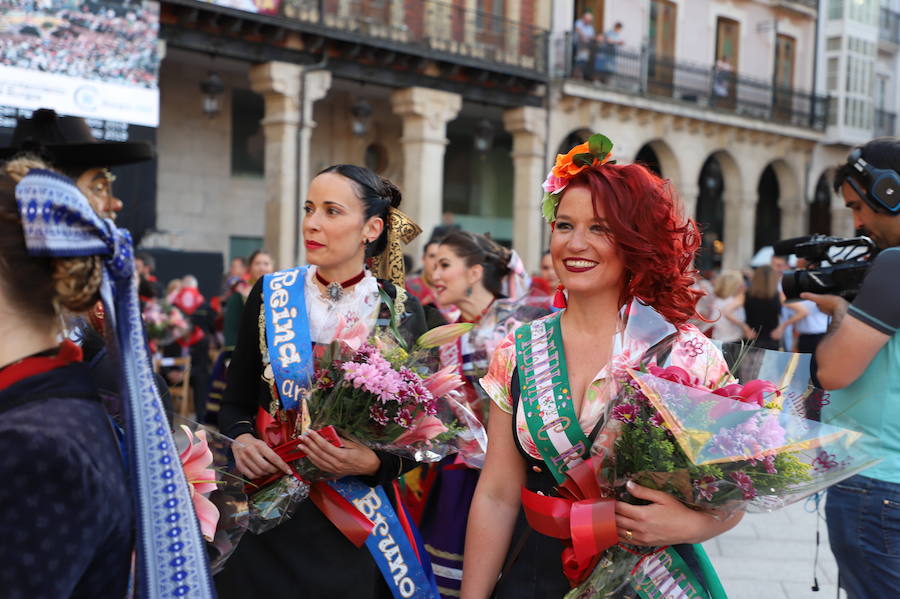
533, 560
692, 351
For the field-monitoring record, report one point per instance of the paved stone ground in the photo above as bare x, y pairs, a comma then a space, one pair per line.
770, 556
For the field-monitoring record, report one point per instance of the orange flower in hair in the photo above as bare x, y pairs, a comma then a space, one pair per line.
596, 151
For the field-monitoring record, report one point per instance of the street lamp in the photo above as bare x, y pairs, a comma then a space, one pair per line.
483, 135
361, 111
212, 87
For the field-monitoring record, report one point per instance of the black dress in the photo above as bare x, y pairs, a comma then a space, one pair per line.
66, 518
763, 314
305, 557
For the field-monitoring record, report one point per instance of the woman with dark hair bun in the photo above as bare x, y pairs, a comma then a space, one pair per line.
351, 220
489, 286
623, 253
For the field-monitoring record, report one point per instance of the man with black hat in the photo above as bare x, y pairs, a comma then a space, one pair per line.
66, 143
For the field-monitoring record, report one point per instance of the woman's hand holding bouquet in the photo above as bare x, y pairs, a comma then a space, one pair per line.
367, 395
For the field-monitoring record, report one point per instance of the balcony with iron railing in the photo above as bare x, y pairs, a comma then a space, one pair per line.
432, 29
889, 26
885, 123
644, 73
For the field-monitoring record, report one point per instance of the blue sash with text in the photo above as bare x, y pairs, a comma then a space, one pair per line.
287, 334
388, 543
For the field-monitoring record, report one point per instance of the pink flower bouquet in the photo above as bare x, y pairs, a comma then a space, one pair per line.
369, 390
728, 447
216, 489
164, 323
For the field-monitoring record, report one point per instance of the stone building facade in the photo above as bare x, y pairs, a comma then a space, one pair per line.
442, 98
464, 104
714, 94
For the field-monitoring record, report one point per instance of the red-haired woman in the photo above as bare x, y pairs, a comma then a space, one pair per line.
621, 248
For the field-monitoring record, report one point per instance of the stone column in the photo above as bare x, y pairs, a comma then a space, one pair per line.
528, 126
793, 217
280, 84
740, 216
315, 87
688, 194
425, 114
841, 217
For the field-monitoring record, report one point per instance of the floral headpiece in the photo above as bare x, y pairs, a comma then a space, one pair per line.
596, 151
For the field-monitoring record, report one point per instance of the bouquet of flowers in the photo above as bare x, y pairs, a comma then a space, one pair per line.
730, 446
369, 390
216, 491
164, 323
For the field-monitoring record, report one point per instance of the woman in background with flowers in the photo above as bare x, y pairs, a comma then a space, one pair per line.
351, 215
489, 286
617, 237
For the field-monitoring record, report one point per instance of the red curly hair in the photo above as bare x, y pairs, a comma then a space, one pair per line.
656, 243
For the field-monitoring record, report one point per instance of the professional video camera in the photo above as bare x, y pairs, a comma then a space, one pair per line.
836, 265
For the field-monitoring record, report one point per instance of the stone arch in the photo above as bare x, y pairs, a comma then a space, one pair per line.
767, 224
659, 156
819, 220
572, 139
780, 209
719, 179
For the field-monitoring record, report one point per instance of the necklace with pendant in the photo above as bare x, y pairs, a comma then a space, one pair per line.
334, 290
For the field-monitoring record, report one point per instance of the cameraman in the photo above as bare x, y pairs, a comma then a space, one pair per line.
859, 359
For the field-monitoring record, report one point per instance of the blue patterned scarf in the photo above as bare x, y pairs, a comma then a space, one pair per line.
171, 559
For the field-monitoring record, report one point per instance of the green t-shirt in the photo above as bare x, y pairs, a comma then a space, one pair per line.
871, 404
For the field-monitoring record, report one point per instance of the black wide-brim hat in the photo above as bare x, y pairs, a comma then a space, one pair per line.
67, 142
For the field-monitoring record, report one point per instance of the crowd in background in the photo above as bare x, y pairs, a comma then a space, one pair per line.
751, 306
93, 42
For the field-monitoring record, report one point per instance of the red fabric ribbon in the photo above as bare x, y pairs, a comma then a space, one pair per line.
583, 517
277, 433
352, 523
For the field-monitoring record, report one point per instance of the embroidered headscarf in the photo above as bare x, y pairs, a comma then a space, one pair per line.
57, 220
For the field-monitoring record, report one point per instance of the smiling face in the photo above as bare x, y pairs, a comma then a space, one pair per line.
451, 277
584, 254
884, 229
335, 228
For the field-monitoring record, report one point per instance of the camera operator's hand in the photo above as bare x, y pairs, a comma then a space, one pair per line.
833, 305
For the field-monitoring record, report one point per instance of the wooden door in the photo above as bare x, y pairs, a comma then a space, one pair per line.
725, 69
596, 7
663, 21
785, 49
